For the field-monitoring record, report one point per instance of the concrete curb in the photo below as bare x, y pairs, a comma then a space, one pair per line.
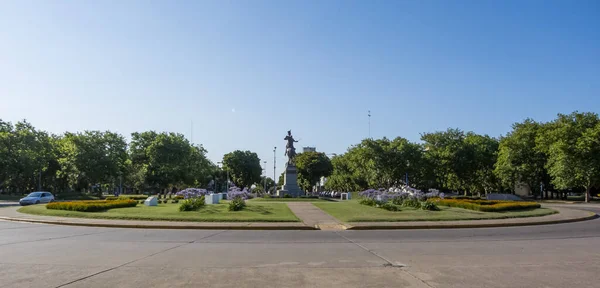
251, 226
591, 216
297, 225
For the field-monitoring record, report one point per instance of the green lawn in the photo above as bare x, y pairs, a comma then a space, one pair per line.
259, 199
254, 212
352, 211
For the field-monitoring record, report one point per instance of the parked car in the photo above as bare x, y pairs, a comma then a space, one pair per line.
37, 198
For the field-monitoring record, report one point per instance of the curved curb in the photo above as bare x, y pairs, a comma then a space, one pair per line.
159, 226
591, 216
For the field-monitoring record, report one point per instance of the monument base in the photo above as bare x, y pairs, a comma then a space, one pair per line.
290, 183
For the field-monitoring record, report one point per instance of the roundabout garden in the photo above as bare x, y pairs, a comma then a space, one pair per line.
191, 205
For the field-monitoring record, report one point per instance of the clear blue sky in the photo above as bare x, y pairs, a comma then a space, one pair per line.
247, 71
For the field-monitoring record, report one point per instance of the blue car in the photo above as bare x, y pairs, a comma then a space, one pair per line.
37, 198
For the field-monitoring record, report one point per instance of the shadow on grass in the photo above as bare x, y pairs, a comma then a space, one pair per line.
259, 209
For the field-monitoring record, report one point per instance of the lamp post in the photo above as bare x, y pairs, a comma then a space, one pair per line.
227, 183
265, 180
275, 167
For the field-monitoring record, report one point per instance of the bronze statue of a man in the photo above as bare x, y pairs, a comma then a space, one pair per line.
290, 151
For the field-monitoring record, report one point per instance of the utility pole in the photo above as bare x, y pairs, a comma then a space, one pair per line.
369, 124
275, 168
265, 184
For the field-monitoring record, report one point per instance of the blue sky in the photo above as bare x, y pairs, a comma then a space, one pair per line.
245, 72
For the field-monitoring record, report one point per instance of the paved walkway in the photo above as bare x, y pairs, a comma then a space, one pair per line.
315, 217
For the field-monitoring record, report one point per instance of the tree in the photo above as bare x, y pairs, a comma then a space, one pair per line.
312, 166
486, 154
572, 143
453, 159
167, 160
342, 178
92, 158
243, 166
24, 156
520, 161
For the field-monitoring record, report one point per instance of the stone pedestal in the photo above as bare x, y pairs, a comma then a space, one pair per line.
151, 201
290, 183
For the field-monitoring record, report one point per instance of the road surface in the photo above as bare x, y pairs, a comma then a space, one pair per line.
564, 255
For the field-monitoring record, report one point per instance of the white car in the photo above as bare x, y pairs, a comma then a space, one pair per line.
37, 198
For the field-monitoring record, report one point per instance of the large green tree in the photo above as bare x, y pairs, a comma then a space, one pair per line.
485, 149
520, 162
312, 166
452, 158
92, 158
243, 166
26, 153
572, 143
165, 160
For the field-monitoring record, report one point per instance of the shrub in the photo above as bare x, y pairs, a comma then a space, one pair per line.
91, 206
487, 205
142, 201
125, 197
411, 202
429, 206
267, 196
287, 196
235, 192
191, 204
389, 206
179, 197
368, 201
237, 204
174, 201
192, 193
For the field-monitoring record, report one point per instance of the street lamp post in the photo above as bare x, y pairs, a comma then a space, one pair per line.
227, 183
275, 167
265, 181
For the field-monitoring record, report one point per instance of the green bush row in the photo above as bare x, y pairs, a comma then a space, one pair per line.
91, 206
125, 197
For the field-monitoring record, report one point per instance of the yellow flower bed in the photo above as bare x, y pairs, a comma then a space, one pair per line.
91, 206
486, 205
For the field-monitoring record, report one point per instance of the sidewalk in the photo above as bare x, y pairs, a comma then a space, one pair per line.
313, 219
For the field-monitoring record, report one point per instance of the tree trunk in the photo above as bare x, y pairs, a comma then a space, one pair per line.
587, 194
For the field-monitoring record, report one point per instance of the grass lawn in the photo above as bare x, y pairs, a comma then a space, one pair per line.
259, 199
254, 212
352, 211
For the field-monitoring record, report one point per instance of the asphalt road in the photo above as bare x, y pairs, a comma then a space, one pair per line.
564, 255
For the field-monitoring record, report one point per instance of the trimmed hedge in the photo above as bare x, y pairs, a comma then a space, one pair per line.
91, 206
487, 205
125, 197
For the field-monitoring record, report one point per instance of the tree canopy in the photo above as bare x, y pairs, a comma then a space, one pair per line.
243, 166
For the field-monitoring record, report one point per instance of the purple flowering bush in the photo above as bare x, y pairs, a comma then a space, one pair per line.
405, 196
236, 192
192, 193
